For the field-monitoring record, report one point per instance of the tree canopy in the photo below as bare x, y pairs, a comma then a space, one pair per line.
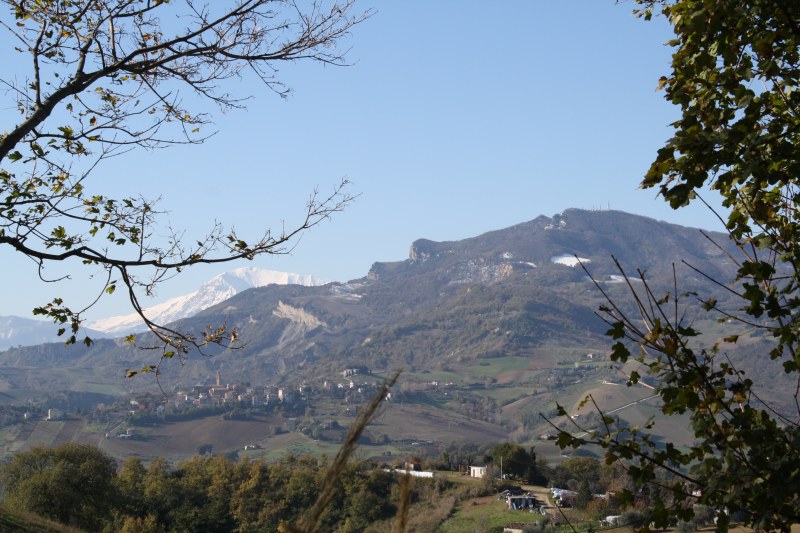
516, 462
735, 75
79, 485
72, 484
99, 78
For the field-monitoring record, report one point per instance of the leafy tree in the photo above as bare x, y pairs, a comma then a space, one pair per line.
584, 495
133, 524
248, 499
614, 478
735, 75
160, 491
104, 77
130, 487
204, 487
366, 498
515, 460
574, 470
73, 484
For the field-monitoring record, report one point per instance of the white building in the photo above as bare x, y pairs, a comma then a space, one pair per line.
477, 471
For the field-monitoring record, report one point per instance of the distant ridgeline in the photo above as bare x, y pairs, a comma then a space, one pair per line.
506, 292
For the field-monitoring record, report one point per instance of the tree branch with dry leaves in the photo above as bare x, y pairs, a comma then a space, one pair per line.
104, 77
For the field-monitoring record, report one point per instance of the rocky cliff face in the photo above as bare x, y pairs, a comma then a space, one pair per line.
422, 250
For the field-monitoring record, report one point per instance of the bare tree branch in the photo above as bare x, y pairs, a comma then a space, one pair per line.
106, 77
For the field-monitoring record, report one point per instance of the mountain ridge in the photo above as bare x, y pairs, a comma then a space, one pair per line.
216, 290
16, 331
504, 292
499, 328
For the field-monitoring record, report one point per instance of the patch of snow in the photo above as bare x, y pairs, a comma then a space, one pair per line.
569, 260
616, 278
345, 292
349, 297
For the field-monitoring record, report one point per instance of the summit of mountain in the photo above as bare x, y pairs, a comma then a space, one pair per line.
496, 329
506, 292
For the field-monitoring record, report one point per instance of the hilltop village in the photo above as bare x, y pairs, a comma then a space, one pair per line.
322, 409
242, 401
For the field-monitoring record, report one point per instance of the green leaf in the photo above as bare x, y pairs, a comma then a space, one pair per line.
617, 330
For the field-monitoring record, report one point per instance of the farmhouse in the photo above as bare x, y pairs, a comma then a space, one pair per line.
523, 502
477, 471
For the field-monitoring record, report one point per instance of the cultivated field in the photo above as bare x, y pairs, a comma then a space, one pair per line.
179, 440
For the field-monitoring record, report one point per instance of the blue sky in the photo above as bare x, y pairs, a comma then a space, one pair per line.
456, 118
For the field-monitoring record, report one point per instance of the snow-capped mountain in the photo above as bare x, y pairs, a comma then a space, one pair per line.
212, 292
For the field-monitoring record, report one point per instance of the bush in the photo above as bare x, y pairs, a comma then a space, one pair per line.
635, 519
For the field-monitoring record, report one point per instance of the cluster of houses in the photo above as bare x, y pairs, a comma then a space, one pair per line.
242, 393
219, 393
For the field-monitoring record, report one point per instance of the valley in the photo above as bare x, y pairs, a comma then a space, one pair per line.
490, 334
494, 400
